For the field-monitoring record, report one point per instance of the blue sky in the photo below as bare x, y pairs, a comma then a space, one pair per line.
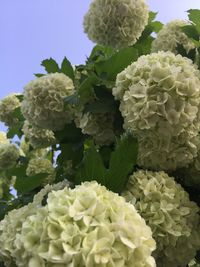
32, 30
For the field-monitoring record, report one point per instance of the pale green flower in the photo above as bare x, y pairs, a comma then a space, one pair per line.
160, 97
43, 104
193, 263
9, 155
85, 226
7, 108
38, 137
11, 226
116, 23
41, 166
99, 126
167, 209
3, 138
172, 35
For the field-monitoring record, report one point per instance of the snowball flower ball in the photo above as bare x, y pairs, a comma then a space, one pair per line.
84, 226
11, 226
116, 23
99, 126
167, 209
170, 36
7, 108
43, 104
41, 166
9, 155
160, 94
38, 137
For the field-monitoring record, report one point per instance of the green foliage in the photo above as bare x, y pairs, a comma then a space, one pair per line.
121, 163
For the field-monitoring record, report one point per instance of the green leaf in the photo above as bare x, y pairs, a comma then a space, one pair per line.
191, 32
26, 184
91, 168
67, 68
38, 75
70, 134
85, 91
50, 65
116, 63
194, 16
157, 26
100, 53
122, 162
102, 106
152, 16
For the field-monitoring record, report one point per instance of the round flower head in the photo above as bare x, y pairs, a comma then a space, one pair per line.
167, 209
43, 104
99, 126
9, 155
84, 226
170, 36
3, 138
38, 137
41, 166
160, 94
11, 226
116, 23
7, 108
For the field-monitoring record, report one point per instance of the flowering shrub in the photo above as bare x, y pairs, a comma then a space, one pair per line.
116, 23
170, 36
173, 218
43, 104
88, 127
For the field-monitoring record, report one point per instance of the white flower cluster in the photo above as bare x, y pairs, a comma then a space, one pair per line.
9, 154
167, 209
116, 23
7, 108
41, 166
43, 104
38, 137
160, 103
170, 36
85, 226
99, 126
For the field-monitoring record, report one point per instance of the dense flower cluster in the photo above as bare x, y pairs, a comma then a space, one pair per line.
173, 218
160, 97
85, 226
11, 226
170, 36
43, 104
38, 137
7, 108
99, 126
41, 166
116, 23
9, 155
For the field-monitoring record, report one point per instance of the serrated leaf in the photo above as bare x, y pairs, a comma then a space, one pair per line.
26, 184
116, 63
157, 26
191, 32
100, 53
67, 68
194, 16
152, 16
122, 162
50, 65
91, 168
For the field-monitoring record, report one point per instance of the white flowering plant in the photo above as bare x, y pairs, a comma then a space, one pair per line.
100, 166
